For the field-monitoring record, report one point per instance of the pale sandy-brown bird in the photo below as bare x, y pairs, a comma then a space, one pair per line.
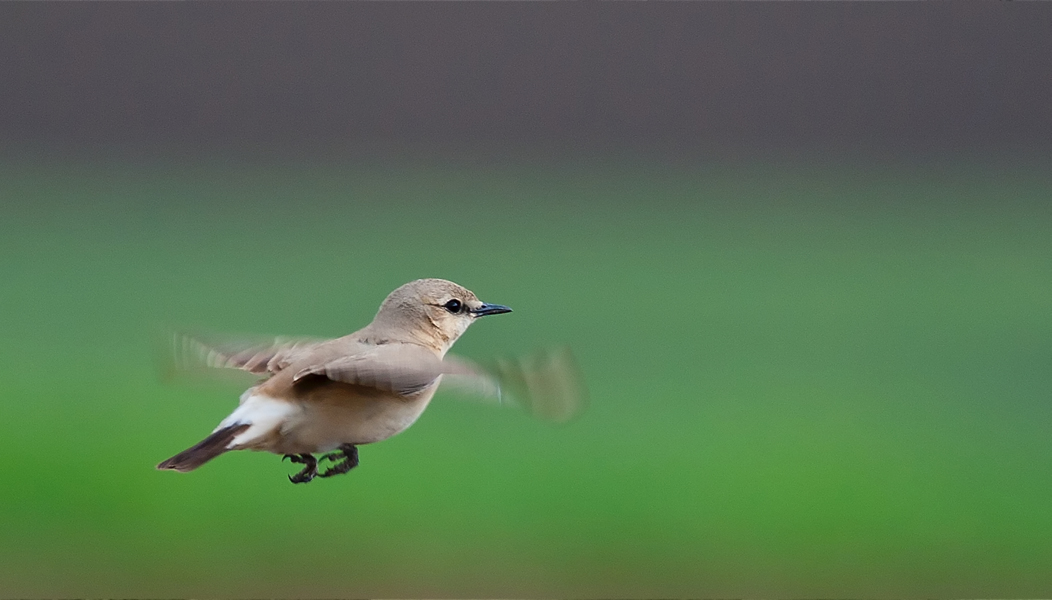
330, 396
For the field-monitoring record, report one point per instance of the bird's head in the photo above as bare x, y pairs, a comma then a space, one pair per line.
433, 312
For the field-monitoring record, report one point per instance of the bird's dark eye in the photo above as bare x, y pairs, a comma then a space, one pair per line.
454, 306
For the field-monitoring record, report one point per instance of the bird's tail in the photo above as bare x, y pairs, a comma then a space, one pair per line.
205, 450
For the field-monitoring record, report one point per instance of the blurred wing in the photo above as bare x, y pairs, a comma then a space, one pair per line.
259, 356
403, 369
547, 384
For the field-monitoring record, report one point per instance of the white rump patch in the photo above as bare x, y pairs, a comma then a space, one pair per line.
262, 413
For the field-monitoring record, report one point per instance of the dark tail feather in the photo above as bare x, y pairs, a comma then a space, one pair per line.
204, 451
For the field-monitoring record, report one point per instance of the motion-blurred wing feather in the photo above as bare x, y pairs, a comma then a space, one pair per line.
254, 356
547, 384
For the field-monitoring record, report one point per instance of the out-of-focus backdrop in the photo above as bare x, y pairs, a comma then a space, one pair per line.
803, 253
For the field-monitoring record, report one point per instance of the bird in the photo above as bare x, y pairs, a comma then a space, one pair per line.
329, 396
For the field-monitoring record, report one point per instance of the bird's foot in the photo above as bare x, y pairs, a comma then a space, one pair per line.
346, 459
309, 472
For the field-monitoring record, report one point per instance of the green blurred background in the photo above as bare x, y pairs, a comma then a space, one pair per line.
793, 392
811, 374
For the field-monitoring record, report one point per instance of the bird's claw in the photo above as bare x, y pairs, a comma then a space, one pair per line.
346, 459
309, 472
301, 477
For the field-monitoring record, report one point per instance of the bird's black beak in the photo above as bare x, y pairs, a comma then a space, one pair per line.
489, 309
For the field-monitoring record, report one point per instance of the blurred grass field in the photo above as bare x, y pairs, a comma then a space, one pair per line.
804, 381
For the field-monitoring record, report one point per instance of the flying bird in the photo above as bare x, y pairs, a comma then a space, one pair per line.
330, 396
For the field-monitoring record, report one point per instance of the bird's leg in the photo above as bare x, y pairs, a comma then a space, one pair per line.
346, 459
308, 472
